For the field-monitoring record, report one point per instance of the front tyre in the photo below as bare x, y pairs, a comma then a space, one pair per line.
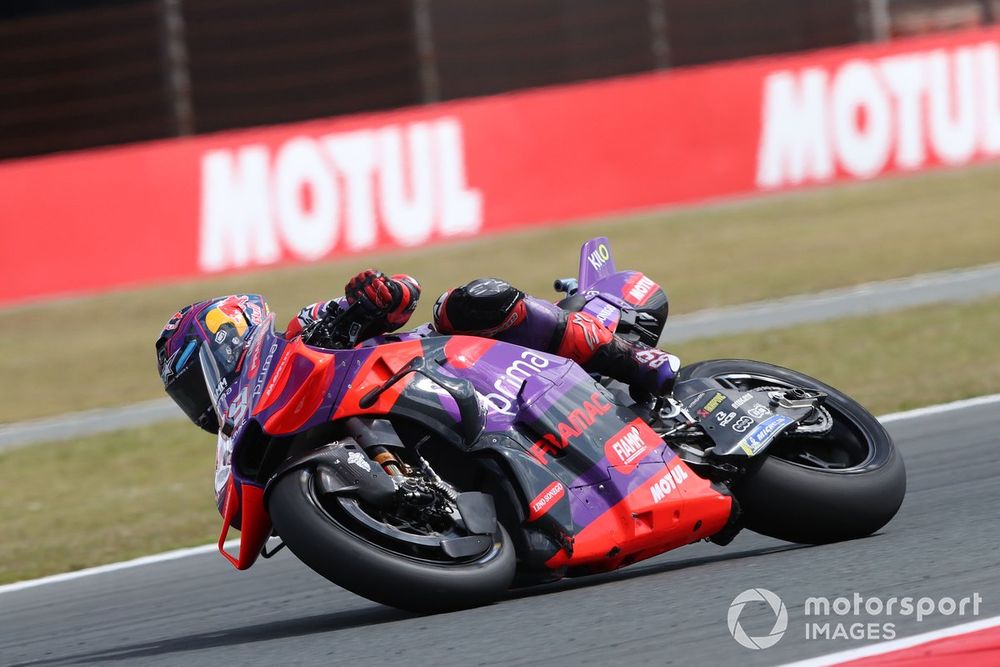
812, 489
328, 542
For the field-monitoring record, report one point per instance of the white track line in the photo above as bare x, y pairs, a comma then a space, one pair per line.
208, 548
176, 554
897, 644
939, 408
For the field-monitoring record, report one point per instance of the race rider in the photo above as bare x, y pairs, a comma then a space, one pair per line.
487, 307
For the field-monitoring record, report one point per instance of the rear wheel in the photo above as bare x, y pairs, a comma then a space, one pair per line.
845, 483
394, 563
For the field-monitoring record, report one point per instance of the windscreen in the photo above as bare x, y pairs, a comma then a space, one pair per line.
217, 384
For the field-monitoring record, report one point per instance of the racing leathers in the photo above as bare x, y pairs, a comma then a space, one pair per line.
493, 308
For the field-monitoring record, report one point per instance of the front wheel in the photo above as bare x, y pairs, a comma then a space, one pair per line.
334, 536
843, 484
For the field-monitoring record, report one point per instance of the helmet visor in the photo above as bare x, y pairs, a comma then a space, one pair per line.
184, 381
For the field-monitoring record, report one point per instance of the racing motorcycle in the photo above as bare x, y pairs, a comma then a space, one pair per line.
431, 472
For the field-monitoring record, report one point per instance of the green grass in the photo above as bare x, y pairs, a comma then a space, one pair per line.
98, 351
66, 506
71, 505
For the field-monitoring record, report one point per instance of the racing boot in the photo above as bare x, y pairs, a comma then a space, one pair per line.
647, 370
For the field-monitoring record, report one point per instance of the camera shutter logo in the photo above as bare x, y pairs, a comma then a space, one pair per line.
780, 620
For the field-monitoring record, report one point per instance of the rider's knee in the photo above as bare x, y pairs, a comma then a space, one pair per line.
484, 307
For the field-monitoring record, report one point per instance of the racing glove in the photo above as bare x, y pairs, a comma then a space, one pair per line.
376, 293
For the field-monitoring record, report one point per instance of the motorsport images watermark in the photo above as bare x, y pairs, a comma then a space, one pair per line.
871, 616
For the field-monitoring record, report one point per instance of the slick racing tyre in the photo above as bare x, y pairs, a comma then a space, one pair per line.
814, 488
379, 563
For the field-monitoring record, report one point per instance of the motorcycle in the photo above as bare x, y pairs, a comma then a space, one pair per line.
432, 472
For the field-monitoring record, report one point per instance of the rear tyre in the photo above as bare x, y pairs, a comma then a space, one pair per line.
845, 484
326, 541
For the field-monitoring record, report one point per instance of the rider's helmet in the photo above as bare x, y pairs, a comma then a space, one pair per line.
214, 332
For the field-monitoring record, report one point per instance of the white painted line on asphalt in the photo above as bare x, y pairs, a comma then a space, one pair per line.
208, 548
953, 286
939, 408
897, 644
114, 567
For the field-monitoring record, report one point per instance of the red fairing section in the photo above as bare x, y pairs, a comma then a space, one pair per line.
308, 396
247, 501
673, 508
207, 205
383, 362
464, 351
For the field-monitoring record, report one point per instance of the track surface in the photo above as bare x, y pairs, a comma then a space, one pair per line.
870, 298
671, 610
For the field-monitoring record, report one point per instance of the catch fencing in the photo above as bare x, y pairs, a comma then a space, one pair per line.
119, 71
302, 192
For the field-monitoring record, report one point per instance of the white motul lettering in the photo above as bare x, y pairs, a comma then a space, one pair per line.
235, 210
988, 56
641, 289
353, 154
663, 487
794, 144
952, 104
866, 115
668, 483
904, 75
305, 199
401, 182
460, 206
862, 147
407, 199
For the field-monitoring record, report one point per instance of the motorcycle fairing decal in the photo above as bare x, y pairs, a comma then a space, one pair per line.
638, 288
567, 429
608, 313
546, 500
595, 262
275, 382
575, 424
739, 423
666, 506
508, 376
381, 364
628, 447
244, 506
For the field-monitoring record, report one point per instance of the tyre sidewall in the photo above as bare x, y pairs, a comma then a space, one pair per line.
372, 571
809, 505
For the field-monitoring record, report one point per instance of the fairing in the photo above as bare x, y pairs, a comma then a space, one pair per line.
597, 487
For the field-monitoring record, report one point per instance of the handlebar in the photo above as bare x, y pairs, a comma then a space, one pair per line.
567, 285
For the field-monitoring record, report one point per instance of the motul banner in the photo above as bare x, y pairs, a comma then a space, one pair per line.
305, 192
